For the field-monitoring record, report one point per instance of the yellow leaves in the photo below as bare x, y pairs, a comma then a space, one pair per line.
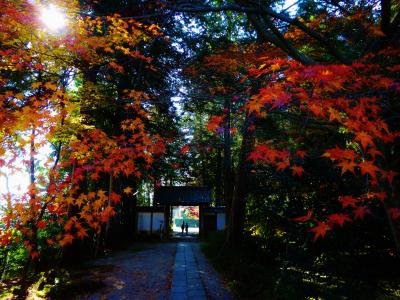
36, 85
275, 67
19, 96
108, 50
69, 200
128, 190
154, 29
124, 50
97, 205
80, 200
255, 104
50, 86
102, 195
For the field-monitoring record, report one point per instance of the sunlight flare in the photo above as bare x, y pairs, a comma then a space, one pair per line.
53, 18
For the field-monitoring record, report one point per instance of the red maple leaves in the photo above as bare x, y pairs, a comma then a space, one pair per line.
320, 230
306, 218
360, 116
348, 201
215, 123
338, 219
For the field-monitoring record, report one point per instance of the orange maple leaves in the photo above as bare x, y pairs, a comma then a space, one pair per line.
41, 112
270, 98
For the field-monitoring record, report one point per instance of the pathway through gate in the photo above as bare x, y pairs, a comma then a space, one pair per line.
175, 271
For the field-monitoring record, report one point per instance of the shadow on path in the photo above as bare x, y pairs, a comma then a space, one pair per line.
174, 270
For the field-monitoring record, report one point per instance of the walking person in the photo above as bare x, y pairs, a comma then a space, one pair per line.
183, 226
187, 228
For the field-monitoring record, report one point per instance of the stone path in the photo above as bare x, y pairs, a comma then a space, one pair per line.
193, 277
170, 271
186, 281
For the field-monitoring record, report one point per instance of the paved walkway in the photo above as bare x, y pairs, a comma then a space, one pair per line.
164, 271
186, 281
193, 278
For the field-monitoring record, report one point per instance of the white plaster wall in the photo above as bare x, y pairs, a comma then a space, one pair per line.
158, 218
144, 219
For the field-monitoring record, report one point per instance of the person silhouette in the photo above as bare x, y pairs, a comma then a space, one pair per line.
161, 230
183, 226
187, 228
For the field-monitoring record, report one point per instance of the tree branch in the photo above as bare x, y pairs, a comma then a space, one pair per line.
292, 51
187, 7
262, 10
315, 35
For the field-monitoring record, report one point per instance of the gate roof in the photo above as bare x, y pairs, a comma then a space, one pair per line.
182, 195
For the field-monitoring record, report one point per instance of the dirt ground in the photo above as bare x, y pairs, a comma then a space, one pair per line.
142, 272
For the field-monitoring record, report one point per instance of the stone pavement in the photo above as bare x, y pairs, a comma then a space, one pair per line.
162, 271
193, 277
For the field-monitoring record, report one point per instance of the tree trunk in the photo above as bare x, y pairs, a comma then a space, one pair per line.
107, 241
128, 208
237, 215
228, 184
218, 177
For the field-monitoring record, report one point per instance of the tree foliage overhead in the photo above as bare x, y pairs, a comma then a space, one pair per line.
290, 114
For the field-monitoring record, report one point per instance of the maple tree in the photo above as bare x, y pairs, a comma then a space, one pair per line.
317, 130
315, 92
362, 119
290, 115
41, 109
351, 98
